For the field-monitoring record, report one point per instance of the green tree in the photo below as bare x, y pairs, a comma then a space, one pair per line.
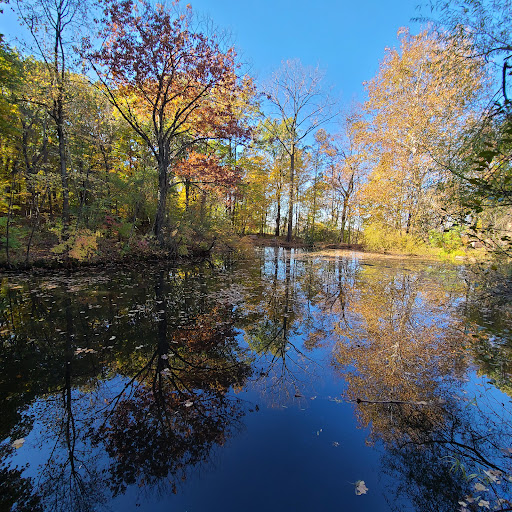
53, 25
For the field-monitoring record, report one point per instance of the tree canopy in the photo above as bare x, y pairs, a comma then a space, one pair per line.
162, 141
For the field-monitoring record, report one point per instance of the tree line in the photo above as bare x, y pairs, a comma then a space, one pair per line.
135, 128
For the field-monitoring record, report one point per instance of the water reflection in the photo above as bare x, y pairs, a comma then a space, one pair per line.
275, 333
404, 359
397, 347
128, 380
141, 380
489, 310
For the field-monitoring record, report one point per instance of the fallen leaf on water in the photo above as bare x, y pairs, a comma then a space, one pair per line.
18, 443
361, 487
188, 403
494, 475
480, 487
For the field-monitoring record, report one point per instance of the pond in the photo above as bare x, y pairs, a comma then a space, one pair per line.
289, 381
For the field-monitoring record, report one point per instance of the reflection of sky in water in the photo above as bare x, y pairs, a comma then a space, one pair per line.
284, 437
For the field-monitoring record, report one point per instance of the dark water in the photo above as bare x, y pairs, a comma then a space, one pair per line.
293, 381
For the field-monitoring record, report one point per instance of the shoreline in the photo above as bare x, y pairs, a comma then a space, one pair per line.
113, 255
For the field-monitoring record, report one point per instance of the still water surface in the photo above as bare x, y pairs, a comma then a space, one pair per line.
291, 381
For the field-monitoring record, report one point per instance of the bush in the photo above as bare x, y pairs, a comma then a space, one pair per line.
81, 246
321, 233
450, 240
381, 238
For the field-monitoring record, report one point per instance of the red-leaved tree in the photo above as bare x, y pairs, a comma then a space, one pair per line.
205, 172
173, 85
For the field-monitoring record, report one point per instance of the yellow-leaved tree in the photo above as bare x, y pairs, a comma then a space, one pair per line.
422, 101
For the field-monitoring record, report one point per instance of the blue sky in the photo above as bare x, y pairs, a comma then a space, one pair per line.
345, 38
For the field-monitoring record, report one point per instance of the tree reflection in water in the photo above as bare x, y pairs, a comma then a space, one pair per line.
131, 380
168, 407
273, 334
169, 418
404, 363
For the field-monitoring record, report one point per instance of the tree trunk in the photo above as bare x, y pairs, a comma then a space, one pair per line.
345, 210
202, 210
59, 121
278, 217
163, 186
187, 194
290, 203
59, 72
344, 215
9, 215
313, 213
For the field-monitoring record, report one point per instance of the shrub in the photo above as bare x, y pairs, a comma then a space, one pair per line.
450, 240
380, 237
81, 246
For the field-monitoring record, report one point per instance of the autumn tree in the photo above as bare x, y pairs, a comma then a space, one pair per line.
202, 171
255, 192
298, 107
350, 172
481, 181
171, 83
422, 100
54, 26
342, 161
275, 158
313, 191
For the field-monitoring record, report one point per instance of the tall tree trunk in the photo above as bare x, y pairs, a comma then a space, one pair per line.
345, 209
63, 169
9, 215
202, 210
233, 209
313, 213
59, 71
163, 184
187, 195
278, 217
291, 200
344, 215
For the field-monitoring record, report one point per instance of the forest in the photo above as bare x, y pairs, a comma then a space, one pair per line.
223, 291
130, 129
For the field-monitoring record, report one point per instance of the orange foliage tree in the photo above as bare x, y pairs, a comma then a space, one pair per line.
205, 171
174, 85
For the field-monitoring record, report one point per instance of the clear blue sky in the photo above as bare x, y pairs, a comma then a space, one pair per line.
345, 38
